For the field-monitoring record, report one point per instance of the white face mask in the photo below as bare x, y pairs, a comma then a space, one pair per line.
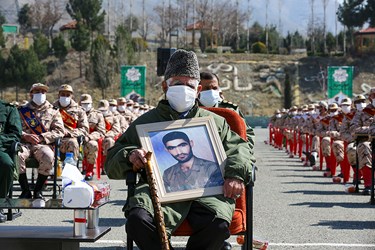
360, 106
64, 101
121, 108
39, 98
112, 108
345, 109
181, 98
129, 108
210, 98
87, 106
294, 113
104, 112
278, 116
333, 113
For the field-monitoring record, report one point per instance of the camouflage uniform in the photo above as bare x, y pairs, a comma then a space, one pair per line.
113, 128
124, 111
347, 137
121, 119
70, 143
43, 152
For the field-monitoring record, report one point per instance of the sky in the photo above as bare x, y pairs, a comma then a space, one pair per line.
295, 14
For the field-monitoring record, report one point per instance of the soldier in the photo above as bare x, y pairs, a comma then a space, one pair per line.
122, 109
290, 126
112, 127
42, 125
121, 119
96, 132
338, 147
209, 97
74, 118
359, 128
10, 132
345, 134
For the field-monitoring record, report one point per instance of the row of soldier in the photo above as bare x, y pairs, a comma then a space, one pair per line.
44, 122
339, 134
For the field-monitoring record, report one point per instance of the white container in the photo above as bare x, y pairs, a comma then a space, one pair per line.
78, 195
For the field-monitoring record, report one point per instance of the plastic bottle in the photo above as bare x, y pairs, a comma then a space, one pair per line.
69, 159
59, 167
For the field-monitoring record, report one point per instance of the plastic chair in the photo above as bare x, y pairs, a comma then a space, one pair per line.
242, 221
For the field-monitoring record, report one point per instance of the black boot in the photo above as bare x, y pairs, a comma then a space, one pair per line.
26, 194
39, 185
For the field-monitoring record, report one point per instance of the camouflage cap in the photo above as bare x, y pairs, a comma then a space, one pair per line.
333, 106
39, 85
359, 98
130, 102
103, 105
112, 102
283, 110
293, 108
66, 87
346, 101
311, 107
136, 105
85, 98
277, 111
121, 99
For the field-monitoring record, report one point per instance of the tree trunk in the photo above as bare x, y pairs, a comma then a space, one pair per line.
80, 64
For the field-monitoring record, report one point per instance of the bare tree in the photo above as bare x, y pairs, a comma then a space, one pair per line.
325, 3
146, 22
166, 20
45, 15
312, 27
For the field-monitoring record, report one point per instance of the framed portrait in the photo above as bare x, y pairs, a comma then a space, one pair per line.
187, 159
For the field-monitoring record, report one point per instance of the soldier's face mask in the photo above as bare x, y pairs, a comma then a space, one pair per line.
294, 113
209, 98
345, 109
181, 97
360, 106
112, 108
334, 113
64, 101
39, 98
87, 106
121, 108
278, 116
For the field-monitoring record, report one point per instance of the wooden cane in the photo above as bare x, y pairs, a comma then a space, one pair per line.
159, 217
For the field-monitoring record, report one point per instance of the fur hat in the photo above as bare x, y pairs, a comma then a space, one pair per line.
182, 63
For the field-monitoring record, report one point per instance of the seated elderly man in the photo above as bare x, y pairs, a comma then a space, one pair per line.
209, 216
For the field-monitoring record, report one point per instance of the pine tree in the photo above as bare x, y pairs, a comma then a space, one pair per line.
80, 41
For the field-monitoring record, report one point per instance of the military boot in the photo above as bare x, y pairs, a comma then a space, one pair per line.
39, 185
26, 194
89, 172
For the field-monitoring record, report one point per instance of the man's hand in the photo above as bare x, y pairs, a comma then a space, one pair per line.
32, 138
233, 188
137, 158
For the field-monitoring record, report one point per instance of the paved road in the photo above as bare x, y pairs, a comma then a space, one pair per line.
294, 208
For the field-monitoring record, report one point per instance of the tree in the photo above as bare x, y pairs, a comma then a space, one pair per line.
351, 13
2, 39
87, 12
45, 15
24, 18
80, 41
40, 46
331, 42
59, 48
102, 63
124, 49
22, 68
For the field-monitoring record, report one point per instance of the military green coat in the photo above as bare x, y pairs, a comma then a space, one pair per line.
10, 126
238, 165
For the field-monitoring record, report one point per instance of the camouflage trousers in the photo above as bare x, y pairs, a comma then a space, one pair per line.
70, 145
42, 153
364, 154
90, 151
315, 146
326, 146
352, 151
338, 150
108, 142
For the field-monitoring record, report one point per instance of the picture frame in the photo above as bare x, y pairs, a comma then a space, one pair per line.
185, 166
